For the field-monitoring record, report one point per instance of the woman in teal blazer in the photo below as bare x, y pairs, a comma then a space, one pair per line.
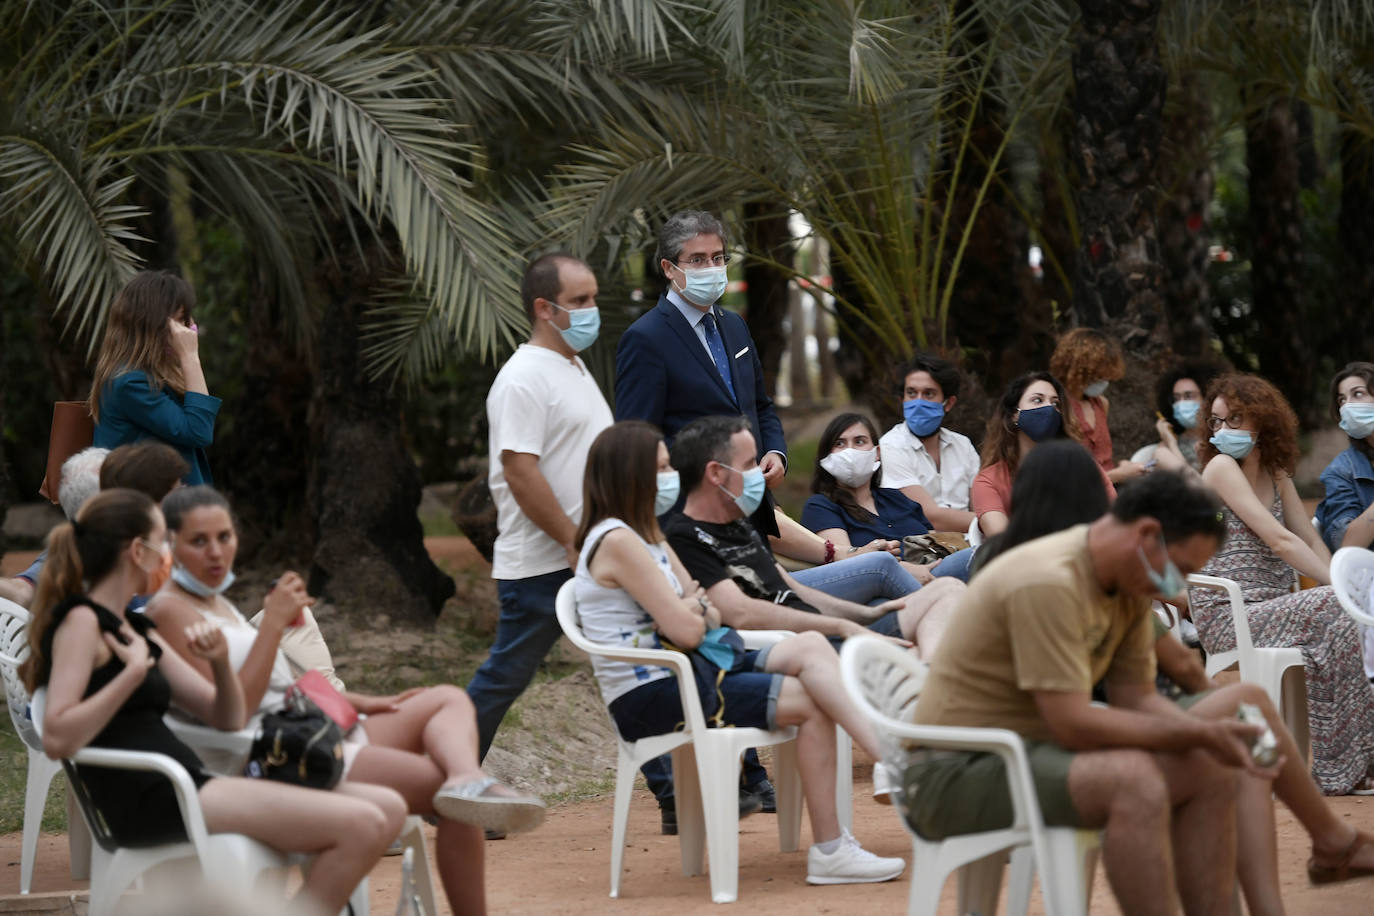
148, 380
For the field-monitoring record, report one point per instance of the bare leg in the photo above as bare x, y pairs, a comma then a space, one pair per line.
459, 849
810, 658
347, 829
928, 612
1330, 835
1134, 795
439, 722
815, 756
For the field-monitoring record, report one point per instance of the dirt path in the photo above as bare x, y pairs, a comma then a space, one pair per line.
563, 867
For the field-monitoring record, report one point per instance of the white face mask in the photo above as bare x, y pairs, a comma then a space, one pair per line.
852, 467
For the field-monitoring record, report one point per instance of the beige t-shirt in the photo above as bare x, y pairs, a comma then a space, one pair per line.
1035, 619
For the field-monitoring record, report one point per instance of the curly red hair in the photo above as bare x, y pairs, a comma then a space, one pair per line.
1083, 356
1266, 409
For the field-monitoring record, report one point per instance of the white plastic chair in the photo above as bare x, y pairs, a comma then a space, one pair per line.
230, 860
202, 738
1279, 672
705, 776
844, 745
14, 648
1352, 574
885, 681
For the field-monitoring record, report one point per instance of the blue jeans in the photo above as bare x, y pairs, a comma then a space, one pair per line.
525, 633
869, 577
956, 564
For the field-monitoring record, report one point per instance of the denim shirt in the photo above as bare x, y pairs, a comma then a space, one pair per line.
1349, 481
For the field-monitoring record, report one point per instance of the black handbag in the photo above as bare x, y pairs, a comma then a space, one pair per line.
299, 745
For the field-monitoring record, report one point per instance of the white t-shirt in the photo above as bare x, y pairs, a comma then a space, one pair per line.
540, 404
610, 616
906, 462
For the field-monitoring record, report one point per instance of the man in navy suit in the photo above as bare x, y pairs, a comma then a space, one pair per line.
688, 358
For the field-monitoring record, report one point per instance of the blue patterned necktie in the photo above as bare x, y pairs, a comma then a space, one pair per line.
717, 348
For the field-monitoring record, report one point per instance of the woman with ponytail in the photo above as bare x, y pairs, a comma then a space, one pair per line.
421, 742
110, 678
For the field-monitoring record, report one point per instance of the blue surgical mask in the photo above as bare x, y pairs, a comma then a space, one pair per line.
752, 494
1096, 389
1041, 423
1168, 584
1234, 442
923, 417
1357, 419
669, 485
196, 587
1185, 412
704, 285
721, 654
583, 326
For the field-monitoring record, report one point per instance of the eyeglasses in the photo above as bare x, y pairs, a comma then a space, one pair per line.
1234, 421
701, 260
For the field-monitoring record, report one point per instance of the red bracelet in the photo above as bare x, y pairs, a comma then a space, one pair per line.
830, 551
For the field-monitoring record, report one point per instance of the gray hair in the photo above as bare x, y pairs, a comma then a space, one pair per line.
685, 225
80, 479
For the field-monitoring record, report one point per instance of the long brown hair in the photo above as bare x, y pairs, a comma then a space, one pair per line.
622, 480
80, 554
136, 335
1260, 403
1000, 442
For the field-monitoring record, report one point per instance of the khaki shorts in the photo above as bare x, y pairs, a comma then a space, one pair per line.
949, 793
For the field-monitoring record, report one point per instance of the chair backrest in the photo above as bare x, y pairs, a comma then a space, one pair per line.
1244, 645
885, 682
95, 821
565, 607
1352, 575
14, 648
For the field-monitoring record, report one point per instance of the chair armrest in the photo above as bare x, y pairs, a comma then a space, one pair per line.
762, 639
203, 737
187, 799
1245, 646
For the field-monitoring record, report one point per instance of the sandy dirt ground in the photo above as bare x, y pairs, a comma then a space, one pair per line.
563, 868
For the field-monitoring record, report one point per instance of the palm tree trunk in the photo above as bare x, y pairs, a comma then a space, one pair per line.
767, 234
364, 488
1118, 102
1356, 231
1118, 105
1183, 228
1276, 250
991, 311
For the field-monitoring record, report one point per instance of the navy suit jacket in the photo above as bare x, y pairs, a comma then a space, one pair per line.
665, 376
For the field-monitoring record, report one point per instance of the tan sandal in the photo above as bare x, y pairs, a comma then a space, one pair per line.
1342, 870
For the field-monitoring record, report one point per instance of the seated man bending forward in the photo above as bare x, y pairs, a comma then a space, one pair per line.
1036, 629
714, 457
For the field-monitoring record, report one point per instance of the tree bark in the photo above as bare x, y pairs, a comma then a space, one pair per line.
993, 316
1356, 231
1118, 104
1184, 235
767, 234
1276, 250
364, 488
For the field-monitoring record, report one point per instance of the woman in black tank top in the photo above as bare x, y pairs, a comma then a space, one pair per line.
109, 681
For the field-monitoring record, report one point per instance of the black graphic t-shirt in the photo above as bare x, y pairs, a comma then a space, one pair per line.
712, 552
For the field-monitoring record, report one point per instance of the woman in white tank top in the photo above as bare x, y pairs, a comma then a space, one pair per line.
631, 588
422, 742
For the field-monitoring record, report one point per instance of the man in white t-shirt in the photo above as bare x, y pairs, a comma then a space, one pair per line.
543, 410
930, 464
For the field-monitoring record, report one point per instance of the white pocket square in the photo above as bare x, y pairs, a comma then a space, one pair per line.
741, 353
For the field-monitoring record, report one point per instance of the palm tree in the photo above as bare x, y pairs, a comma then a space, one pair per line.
287, 120
858, 117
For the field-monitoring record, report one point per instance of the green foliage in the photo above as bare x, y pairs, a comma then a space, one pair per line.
14, 768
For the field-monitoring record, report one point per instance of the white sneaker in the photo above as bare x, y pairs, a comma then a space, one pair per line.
850, 863
884, 783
